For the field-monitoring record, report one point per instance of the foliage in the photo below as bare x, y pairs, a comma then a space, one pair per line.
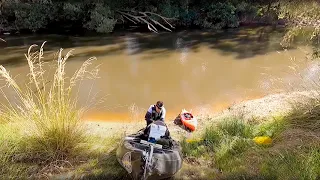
102, 16
219, 15
33, 16
302, 17
101, 19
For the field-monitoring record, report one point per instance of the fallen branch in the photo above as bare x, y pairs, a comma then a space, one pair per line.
156, 22
163, 18
145, 17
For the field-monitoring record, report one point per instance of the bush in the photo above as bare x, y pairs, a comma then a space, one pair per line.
219, 15
101, 19
32, 16
44, 125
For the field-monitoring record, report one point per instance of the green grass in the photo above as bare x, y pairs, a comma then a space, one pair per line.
271, 128
9, 140
229, 146
100, 161
291, 165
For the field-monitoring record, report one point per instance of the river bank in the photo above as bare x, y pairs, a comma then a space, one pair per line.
269, 112
259, 110
228, 151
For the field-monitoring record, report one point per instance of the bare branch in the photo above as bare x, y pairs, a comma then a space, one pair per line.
151, 29
149, 24
128, 18
146, 18
156, 22
163, 18
122, 19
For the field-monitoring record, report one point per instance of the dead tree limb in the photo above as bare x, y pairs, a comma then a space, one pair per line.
145, 17
163, 18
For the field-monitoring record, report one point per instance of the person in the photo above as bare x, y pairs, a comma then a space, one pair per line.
155, 112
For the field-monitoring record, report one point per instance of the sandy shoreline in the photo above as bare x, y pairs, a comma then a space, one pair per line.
269, 106
260, 109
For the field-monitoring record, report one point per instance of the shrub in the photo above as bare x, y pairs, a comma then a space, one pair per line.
43, 125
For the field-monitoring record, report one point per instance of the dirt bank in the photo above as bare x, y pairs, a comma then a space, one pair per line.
261, 109
264, 108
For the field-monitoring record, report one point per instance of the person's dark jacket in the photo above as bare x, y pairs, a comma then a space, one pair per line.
153, 115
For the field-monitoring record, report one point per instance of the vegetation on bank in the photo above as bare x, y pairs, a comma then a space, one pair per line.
40, 127
103, 16
294, 153
303, 22
41, 133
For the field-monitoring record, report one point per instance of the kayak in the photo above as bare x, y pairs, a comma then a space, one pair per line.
145, 160
187, 120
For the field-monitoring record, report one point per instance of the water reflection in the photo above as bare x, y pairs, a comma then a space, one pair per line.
132, 47
183, 49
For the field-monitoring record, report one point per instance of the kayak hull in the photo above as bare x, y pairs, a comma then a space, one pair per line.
187, 120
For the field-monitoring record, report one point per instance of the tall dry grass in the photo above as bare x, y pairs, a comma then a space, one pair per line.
42, 125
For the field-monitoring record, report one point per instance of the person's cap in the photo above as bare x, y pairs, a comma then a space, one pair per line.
159, 104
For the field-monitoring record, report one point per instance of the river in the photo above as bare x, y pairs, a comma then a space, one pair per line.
201, 71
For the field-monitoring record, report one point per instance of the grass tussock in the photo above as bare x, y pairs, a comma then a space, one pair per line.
288, 164
306, 116
42, 125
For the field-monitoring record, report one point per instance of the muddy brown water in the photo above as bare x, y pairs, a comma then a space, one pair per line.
201, 71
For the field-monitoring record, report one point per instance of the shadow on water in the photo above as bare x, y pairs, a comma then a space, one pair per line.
244, 42
241, 42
